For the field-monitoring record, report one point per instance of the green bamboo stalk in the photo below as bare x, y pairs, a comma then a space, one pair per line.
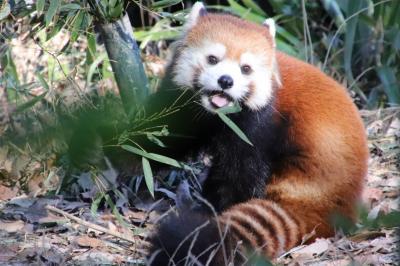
126, 63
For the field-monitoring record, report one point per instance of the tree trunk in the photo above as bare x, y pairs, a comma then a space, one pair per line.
126, 63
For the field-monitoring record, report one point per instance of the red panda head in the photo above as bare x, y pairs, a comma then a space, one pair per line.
226, 59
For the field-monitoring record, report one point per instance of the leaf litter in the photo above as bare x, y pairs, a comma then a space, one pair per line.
30, 233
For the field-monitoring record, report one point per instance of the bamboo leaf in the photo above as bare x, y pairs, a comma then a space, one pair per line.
148, 175
5, 10
245, 12
155, 140
116, 11
390, 84
254, 6
115, 209
43, 81
30, 103
70, 7
76, 27
395, 14
55, 28
52, 11
94, 66
11, 68
112, 3
95, 204
235, 108
234, 127
351, 26
164, 3
284, 47
155, 157
40, 6
91, 39
163, 34
285, 35
168, 160
91, 48
333, 9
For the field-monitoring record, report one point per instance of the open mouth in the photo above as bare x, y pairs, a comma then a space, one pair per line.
219, 99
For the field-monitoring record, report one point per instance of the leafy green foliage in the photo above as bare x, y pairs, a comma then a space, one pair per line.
107, 10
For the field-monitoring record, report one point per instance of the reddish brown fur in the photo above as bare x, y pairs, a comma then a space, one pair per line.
327, 127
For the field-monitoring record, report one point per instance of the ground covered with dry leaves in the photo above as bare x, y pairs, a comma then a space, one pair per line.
69, 233
36, 228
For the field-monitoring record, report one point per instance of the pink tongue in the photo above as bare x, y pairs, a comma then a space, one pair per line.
219, 100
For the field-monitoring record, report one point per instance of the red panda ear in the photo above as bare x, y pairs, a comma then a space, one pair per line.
198, 10
270, 24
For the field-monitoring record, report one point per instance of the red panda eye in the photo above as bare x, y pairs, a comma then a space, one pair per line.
212, 60
246, 69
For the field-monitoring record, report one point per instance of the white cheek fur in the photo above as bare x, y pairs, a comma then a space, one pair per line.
195, 59
261, 78
185, 67
262, 82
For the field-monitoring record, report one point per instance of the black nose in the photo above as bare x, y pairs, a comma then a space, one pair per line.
225, 82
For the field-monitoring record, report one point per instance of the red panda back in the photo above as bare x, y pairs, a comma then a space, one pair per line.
325, 124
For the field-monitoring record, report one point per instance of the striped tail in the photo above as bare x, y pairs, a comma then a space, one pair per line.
197, 239
264, 226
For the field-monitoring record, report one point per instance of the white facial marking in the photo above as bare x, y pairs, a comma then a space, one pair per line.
261, 77
193, 59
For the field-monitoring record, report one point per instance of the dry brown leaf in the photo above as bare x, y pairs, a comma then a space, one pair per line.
137, 216
7, 253
112, 227
94, 232
35, 185
7, 193
366, 236
12, 227
318, 247
393, 182
372, 194
90, 242
51, 218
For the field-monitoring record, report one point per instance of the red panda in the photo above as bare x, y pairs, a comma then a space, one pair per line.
309, 153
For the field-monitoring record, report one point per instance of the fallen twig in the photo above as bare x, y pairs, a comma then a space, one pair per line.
91, 225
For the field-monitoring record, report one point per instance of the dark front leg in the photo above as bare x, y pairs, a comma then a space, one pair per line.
239, 181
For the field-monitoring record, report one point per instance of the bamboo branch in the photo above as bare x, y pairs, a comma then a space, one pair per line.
91, 225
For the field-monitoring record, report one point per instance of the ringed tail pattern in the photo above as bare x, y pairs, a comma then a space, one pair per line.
264, 226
